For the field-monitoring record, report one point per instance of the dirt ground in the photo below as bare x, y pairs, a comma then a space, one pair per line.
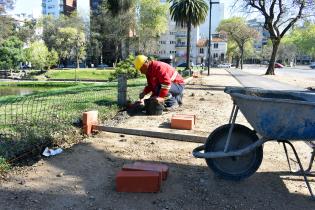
83, 177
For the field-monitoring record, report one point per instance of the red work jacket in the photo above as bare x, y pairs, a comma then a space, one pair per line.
160, 73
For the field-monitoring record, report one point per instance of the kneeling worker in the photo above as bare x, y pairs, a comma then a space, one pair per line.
163, 81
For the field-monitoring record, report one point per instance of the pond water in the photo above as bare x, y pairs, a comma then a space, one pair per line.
19, 91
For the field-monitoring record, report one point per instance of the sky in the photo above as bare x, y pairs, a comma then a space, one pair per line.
34, 6
27, 6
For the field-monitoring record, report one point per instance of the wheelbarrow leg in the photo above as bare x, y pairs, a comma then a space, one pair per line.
308, 170
286, 154
232, 122
232, 114
301, 168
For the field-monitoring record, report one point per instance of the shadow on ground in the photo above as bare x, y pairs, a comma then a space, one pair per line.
88, 182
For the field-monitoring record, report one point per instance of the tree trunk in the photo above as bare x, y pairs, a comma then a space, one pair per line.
188, 47
237, 62
271, 67
242, 55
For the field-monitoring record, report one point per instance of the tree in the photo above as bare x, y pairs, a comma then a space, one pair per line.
303, 38
152, 23
280, 16
6, 22
237, 30
37, 54
4, 5
40, 57
51, 33
71, 44
52, 59
117, 7
188, 13
7, 27
26, 32
109, 32
11, 53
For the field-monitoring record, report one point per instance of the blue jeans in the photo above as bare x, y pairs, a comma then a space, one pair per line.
175, 94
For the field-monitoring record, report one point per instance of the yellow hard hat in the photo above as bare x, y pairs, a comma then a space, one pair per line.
139, 61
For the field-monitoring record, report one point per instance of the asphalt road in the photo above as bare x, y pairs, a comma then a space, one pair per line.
300, 71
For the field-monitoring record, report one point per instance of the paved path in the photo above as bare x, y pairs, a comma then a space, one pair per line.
251, 80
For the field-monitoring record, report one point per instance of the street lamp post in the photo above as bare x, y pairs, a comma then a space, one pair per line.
209, 42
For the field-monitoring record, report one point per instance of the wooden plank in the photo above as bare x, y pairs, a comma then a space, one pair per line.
153, 134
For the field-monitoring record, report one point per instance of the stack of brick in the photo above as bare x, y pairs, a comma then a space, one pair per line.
141, 177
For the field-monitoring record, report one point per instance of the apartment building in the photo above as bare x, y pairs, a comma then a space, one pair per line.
57, 7
173, 43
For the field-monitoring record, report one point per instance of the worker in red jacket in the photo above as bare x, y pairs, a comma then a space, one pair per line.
163, 81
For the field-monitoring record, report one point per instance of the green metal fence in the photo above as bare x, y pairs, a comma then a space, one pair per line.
34, 121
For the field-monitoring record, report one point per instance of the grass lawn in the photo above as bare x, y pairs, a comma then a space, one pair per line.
82, 74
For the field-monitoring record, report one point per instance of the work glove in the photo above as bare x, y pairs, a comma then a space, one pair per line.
159, 99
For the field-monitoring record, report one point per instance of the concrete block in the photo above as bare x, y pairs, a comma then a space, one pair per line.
138, 181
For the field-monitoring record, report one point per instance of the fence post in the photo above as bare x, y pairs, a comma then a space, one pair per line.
122, 90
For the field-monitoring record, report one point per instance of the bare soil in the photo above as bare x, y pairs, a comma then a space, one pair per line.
83, 177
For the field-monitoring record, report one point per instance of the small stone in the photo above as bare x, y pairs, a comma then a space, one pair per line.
22, 182
123, 140
192, 94
92, 197
122, 136
60, 175
202, 99
152, 142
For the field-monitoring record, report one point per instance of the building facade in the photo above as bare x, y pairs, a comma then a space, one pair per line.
57, 7
173, 43
263, 34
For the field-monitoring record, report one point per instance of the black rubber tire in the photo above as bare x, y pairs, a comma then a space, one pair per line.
234, 168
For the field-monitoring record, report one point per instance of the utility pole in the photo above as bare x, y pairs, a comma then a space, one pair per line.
209, 42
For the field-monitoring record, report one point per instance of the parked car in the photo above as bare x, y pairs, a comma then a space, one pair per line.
102, 66
278, 65
264, 62
224, 65
312, 65
182, 65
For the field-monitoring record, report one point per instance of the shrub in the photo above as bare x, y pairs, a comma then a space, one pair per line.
126, 67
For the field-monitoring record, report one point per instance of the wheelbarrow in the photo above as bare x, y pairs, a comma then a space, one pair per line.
235, 152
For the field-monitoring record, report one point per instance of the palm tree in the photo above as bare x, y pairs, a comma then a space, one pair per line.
188, 13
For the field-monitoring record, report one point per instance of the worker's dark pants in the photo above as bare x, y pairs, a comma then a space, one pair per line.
175, 94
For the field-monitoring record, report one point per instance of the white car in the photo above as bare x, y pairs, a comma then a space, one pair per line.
224, 65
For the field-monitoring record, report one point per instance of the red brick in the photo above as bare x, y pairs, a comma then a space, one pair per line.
157, 166
138, 181
133, 167
185, 122
89, 119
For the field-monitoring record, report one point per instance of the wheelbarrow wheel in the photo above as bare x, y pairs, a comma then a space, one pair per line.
236, 167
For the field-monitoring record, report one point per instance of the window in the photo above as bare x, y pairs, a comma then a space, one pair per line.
162, 42
172, 33
215, 45
172, 42
201, 51
172, 52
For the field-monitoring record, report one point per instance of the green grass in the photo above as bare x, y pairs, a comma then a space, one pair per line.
4, 166
28, 122
39, 84
82, 74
